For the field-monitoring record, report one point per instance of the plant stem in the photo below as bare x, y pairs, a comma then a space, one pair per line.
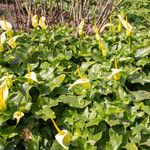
130, 42
57, 128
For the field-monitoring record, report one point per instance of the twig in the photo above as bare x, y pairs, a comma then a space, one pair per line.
29, 11
51, 7
103, 12
97, 7
77, 11
8, 10
17, 21
62, 16
44, 7
87, 12
20, 11
109, 14
81, 10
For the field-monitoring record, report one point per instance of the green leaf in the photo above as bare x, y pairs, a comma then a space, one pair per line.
46, 113
143, 61
141, 126
56, 146
146, 143
140, 95
8, 132
56, 82
131, 146
146, 109
2, 143
85, 65
74, 101
4, 117
34, 143
47, 74
142, 52
115, 139
93, 138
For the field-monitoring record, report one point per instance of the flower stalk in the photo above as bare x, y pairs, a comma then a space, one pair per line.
57, 128
31, 76
63, 137
4, 91
82, 81
117, 76
2, 100
111, 27
100, 43
81, 25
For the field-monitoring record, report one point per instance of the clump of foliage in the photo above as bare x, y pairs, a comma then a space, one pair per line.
138, 11
95, 87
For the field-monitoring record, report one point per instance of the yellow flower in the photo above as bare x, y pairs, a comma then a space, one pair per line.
34, 20
99, 41
81, 25
119, 22
8, 80
119, 26
3, 95
116, 73
5, 25
2, 40
111, 27
42, 23
31, 76
18, 115
126, 24
63, 137
83, 81
103, 48
12, 41
4, 90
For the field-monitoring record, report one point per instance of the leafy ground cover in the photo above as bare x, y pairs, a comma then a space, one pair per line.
138, 11
94, 87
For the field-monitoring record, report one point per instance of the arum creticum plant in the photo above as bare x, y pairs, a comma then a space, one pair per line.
126, 25
112, 27
8, 28
4, 92
116, 73
83, 81
18, 115
2, 41
31, 76
63, 137
34, 20
12, 41
8, 80
40, 22
81, 25
100, 43
5, 25
119, 23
